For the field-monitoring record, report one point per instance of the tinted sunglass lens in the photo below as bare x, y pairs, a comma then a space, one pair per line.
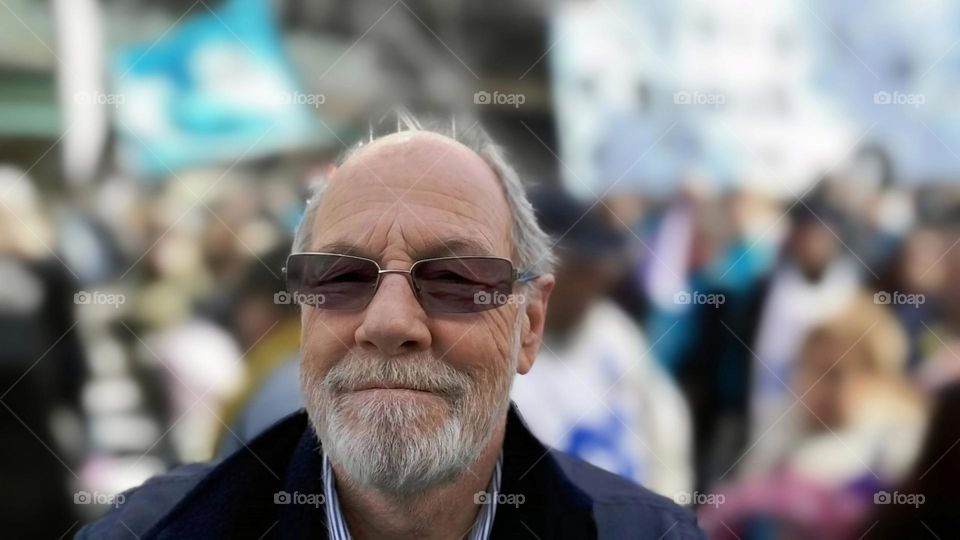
464, 285
331, 281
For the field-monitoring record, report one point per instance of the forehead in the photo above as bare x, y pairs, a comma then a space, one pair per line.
414, 195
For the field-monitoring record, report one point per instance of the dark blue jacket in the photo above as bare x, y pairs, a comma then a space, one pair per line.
563, 497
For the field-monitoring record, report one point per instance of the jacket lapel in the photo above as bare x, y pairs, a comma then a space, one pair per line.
535, 495
236, 499
304, 478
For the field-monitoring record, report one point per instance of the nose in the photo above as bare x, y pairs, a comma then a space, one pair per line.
393, 321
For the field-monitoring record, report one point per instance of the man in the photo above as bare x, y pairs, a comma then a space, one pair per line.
814, 281
424, 280
627, 415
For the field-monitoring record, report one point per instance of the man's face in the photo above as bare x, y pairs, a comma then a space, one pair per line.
401, 399
813, 247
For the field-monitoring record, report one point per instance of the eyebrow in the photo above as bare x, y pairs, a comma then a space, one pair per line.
449, 247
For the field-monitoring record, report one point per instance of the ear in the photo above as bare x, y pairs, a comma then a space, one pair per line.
534, 318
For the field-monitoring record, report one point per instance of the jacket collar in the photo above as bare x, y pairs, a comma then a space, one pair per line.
240, 496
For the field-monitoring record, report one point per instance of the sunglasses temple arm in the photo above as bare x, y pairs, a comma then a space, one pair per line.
525, 276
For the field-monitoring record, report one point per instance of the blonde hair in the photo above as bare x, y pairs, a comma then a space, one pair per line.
869, 328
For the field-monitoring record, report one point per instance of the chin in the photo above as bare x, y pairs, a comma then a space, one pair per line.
398, 413
398, 444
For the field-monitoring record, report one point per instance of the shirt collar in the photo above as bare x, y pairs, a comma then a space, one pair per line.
482, 525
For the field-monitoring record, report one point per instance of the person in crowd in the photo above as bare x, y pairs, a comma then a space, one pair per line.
738, 367
713, 367
939, 342
42, 368
409, 267
912, 285
926, 501
682, 243
627, 415
815, 280
201, 366
856, 417
850, 428
268, 325
876, 213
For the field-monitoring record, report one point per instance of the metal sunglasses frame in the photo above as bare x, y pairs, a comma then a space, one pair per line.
517, 276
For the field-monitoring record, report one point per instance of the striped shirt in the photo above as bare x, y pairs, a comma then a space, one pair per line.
337, 525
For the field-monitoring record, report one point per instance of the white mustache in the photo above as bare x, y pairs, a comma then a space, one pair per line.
421, 372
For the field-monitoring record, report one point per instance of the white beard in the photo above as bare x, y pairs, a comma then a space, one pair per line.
404, 443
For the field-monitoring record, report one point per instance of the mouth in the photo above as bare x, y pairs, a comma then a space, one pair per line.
388, 387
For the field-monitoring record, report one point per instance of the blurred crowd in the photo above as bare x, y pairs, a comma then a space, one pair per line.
784, 364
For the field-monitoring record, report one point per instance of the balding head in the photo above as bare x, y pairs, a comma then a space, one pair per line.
408, 195
531, 247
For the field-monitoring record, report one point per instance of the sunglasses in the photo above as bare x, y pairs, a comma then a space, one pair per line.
443, 285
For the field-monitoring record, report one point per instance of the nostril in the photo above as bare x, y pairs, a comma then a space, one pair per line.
407, 346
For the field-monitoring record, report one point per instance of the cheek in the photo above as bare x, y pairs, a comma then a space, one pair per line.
326, 338
480, 344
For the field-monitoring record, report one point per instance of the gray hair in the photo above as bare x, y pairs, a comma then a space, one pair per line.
532, 247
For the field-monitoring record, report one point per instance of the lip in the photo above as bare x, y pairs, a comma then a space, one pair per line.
390, 387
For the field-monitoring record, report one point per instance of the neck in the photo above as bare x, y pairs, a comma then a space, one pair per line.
444, 511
